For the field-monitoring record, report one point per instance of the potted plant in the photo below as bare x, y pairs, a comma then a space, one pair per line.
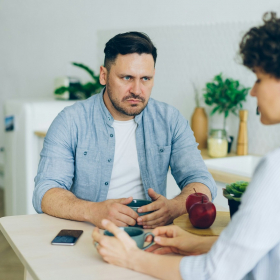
226, 95
233, 193
81, 91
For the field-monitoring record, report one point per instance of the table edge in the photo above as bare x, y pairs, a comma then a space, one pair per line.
17, 252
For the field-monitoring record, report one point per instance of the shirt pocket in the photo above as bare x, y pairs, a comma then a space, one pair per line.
161, 156
87, 165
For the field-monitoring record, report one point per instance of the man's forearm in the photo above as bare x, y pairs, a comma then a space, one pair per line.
180, 200
64, 204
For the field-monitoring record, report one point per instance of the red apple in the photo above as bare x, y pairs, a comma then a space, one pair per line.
202, 214
193, 198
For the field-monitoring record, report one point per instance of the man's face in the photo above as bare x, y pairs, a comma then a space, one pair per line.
267, 92
128, 85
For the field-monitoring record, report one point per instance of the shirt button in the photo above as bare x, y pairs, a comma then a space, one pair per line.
111, 135
106, 183
85, 153
161, 150
109, 160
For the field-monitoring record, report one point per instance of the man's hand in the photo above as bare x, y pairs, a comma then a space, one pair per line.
116, 211
163, 211
173, 239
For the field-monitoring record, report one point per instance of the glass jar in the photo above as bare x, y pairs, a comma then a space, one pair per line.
217, 143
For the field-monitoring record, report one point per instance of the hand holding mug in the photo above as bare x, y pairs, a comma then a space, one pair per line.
118, 250
173, 239
115, 210
162, 211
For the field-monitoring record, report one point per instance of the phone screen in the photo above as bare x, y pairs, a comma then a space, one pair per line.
67, 237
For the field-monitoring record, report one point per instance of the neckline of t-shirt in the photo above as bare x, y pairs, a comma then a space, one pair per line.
124, 122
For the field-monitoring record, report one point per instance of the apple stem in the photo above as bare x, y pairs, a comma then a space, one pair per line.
194, 190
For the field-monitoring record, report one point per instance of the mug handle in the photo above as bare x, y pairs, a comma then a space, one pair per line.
147, 234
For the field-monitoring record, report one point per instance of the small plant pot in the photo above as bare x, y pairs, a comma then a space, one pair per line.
233, 206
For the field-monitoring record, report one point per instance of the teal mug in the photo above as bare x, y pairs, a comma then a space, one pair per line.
135, 204
137, 234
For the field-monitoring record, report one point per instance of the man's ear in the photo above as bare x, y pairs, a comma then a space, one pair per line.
103, 75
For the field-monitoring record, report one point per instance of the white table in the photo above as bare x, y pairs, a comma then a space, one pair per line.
30, 237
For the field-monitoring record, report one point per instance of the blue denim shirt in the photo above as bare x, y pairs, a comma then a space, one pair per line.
78, 151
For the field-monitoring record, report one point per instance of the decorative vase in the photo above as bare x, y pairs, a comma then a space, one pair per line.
199, 125
242, 140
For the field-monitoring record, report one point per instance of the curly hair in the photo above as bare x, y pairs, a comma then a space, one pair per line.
260, 46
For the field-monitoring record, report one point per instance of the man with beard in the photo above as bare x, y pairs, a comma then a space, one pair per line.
116, 146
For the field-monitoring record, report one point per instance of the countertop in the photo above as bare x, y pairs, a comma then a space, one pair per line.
221, 176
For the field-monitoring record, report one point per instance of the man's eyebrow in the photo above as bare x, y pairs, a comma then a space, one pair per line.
125, 75
129, 75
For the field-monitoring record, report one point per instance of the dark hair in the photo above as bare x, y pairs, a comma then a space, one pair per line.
126, 43
260, 46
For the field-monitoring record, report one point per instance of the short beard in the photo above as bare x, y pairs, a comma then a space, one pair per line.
117, 105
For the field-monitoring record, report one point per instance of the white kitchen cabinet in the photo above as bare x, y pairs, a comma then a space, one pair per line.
22, 149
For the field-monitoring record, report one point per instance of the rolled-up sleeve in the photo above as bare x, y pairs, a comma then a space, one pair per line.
187, 165
56, 166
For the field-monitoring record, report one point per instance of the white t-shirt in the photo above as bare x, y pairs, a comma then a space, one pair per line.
126, 179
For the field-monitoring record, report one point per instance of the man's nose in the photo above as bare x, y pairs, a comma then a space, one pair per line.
136, 87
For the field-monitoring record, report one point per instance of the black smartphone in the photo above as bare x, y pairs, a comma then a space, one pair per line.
67, 237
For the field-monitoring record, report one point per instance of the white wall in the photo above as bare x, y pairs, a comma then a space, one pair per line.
40, 38
196, 53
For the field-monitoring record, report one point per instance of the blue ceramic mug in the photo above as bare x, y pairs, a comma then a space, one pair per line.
135, 204
137, 234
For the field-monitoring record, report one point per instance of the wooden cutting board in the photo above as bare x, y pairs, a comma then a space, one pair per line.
221, 221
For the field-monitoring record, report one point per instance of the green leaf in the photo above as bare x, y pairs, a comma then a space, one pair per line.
228, 188
61, 90
226, 113
214, 110
236, 199
241, 185
229, 196
236, 192
87, 69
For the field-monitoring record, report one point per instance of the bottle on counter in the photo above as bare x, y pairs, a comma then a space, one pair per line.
242, 141
217, 143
